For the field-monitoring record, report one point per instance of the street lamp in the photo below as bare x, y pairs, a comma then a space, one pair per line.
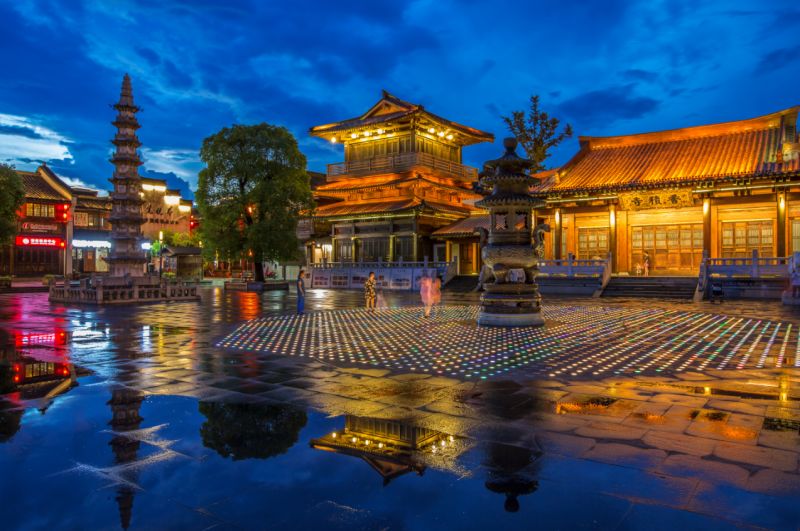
160, 252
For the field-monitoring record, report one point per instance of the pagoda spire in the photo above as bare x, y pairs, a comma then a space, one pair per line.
127, 256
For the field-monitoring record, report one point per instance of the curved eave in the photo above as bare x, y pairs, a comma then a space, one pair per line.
708, 181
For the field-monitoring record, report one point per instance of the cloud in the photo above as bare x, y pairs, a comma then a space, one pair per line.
72, 181
637, 74
604, 106
184, 164
778, 59
26, 142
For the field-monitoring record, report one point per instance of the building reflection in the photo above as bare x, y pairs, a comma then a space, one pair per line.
512, 472
125, 404
391, 447
250, 431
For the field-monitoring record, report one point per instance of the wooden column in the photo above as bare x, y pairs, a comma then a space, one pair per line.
557, 235
391, 241
612, 237
781, 205
707, 226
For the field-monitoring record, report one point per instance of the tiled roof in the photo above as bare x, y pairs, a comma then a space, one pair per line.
464, 227
347, 208
390, 108
703, 153
36, 187
93, 203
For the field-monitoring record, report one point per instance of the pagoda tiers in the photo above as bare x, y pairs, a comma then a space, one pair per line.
127, 256
402, 178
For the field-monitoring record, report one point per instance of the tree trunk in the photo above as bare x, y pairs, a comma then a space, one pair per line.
258, 268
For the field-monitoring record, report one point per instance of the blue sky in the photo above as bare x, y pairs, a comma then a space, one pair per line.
607, 67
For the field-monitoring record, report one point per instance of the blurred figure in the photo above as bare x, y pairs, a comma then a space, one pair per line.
646, 261
436, 292
370, 295
301, 292
426, 293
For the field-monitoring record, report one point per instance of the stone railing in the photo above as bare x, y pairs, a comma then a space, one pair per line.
390, 275
125, 290
402, 162
721, 273
751, 267
571, 267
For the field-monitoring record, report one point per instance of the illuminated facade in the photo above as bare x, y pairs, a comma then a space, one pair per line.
44, 228
725, 190
402, 179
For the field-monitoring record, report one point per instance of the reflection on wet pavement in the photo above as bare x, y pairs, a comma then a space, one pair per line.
154, 426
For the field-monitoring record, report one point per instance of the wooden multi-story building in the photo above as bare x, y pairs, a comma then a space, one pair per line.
44, 228
724, 190
402, 179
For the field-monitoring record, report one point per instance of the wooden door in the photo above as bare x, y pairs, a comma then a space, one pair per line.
466, 258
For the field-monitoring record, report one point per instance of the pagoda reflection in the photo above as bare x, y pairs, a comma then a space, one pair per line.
125, 404
391, 447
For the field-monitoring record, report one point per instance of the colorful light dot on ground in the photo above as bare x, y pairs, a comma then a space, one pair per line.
576, 340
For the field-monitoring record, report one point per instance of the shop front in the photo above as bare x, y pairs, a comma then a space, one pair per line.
89, 250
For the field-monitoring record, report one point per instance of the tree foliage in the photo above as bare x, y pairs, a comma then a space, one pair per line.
11, 199
246, 431
536, 132
251, 193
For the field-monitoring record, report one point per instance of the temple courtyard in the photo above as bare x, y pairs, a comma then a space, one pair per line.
235, 413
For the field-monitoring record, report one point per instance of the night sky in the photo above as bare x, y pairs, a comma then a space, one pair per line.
609, 67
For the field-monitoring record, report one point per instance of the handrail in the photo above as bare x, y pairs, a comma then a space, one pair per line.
400, 162
379, 265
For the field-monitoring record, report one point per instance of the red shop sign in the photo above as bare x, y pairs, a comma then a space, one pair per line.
39, 241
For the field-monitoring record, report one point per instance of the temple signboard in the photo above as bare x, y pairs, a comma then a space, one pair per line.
647, 199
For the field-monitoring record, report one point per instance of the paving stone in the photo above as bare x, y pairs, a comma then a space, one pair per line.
770, 481
563, 444
678, 442
758, 456
739, 406
625, 455
605, 430
683, 400
785, 440
684, 465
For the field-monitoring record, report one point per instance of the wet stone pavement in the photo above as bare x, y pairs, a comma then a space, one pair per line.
232, 413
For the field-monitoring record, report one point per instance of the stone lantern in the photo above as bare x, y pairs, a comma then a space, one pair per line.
511, 296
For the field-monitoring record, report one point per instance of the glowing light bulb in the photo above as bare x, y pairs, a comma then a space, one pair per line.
449, 137
440, 133
334, 434
353, 135
333, 140
431, 130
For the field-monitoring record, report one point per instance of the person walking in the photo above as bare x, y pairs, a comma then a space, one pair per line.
426, 293
646, 264
436, 292
301, 292
370, 294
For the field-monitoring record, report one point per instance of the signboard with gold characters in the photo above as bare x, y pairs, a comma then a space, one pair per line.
656, 199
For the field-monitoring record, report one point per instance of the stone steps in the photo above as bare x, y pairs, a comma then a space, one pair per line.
462, 283
662, 287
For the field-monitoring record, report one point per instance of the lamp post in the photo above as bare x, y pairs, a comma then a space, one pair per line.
160, 253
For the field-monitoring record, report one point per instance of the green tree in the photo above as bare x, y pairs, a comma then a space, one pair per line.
11, 199
180, 239
251, 193
246, 431
536, 132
